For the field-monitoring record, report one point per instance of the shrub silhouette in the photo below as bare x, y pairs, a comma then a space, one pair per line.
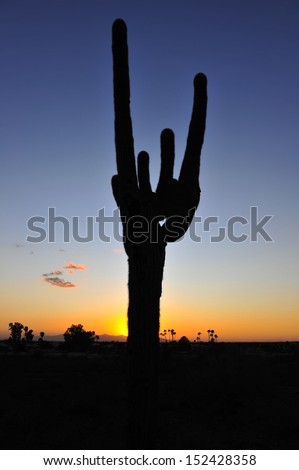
184, 343
145, 236
41, 336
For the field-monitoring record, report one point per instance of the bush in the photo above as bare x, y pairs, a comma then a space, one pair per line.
184, 344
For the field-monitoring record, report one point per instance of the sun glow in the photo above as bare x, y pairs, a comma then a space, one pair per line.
120, 325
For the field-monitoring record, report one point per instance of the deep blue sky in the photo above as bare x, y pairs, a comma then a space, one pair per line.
57, 142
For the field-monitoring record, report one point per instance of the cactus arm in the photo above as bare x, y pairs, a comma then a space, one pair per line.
124, 142
144, 176
191, 163
167, 162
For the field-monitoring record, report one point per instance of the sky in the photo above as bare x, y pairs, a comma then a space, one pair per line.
58, 156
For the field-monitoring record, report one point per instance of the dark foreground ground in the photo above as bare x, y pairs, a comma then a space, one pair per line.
213, 396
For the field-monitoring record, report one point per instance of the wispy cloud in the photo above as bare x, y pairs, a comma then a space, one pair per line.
71, 267
58, 282
53, 273
117, 250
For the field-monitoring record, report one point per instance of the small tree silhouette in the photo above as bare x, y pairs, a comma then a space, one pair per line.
142, 212
173, 333
77, 339
164, 335
28, 335
17, 342
15, 331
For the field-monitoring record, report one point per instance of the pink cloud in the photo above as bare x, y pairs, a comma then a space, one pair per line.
58, 282
71, 267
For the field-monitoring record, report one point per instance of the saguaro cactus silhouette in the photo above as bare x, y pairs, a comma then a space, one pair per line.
150, 220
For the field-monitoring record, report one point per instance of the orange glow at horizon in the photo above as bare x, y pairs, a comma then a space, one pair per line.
228, 325
239, 317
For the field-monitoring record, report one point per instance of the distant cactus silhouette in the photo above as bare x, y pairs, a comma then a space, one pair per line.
145, 237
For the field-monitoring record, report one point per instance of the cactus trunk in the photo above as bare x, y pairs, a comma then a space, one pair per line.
145, 283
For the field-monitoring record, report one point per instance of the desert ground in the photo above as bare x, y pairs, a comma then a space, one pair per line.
212, 396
